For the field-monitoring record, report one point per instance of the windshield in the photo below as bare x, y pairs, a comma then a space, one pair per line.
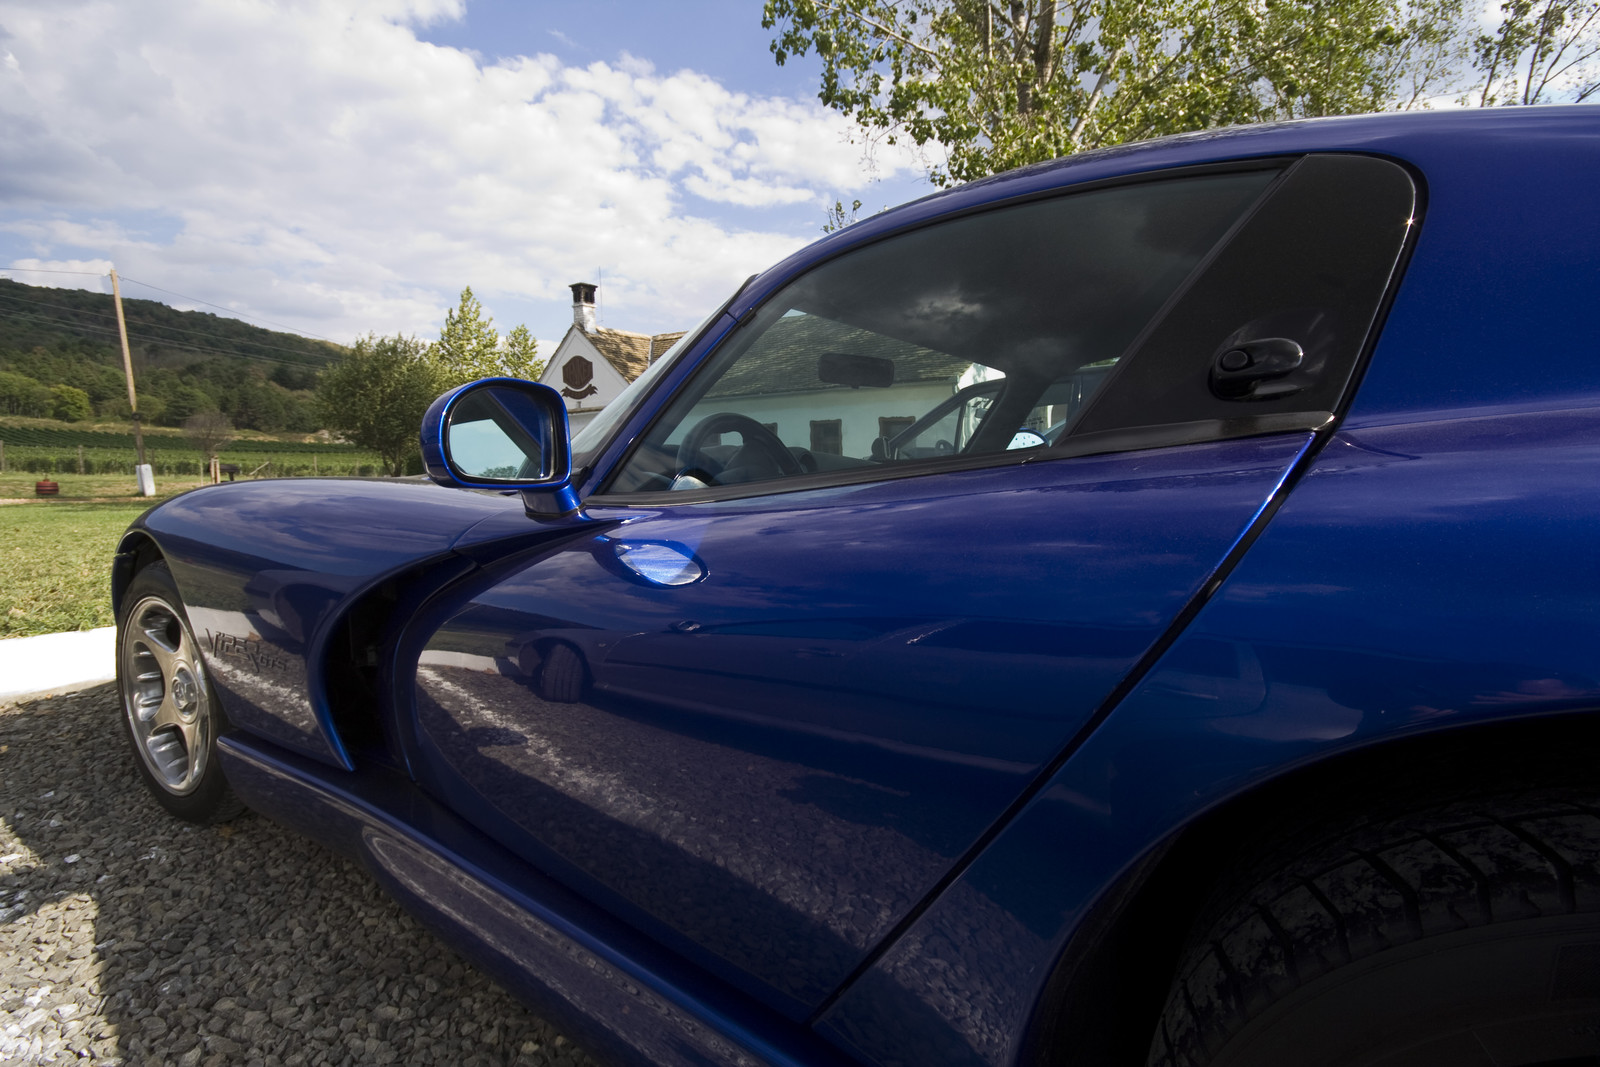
588, 441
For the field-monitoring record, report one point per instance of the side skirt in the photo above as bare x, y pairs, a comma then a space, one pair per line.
613, 990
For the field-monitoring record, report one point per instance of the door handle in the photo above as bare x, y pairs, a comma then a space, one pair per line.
1249, 370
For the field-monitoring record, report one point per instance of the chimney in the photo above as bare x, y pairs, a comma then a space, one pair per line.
583, 306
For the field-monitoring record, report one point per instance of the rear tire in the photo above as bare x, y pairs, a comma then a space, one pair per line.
1453, 935
170, 712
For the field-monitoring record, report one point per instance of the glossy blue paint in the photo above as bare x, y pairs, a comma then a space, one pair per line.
855, 683
266, 568
627, 999
1376, 605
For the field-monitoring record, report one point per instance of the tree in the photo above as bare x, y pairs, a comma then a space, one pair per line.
1002, 83
209, 432
21, 395
184, 400
838, 218
469, 347
1543, 50
520, 354
69, 403
376, 396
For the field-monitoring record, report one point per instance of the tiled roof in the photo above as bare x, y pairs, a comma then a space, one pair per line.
630, 353
663, 341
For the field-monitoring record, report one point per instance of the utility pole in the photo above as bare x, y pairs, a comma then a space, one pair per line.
147, 480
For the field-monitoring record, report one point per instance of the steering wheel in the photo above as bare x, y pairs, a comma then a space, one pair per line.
754, 435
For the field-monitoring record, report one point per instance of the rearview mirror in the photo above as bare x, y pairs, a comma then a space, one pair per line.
847, 368
502, 433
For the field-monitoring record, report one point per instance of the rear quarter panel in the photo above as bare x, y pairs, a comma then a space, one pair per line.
1433, 570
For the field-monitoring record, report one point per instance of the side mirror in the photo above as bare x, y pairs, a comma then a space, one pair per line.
502, 433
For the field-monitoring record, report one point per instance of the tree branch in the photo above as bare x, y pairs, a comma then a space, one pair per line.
837, 10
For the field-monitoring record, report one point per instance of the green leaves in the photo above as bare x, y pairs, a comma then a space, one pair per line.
1002, 83
469, 347
69, 403
1543, 50
519, 354
376, 396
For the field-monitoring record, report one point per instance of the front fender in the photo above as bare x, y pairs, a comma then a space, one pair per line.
267, 568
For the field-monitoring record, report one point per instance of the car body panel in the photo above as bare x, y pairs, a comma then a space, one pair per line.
833, 727
1290, 663
626, 998
265, 569
1484, 318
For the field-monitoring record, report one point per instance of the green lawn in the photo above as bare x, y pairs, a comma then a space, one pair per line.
55, 558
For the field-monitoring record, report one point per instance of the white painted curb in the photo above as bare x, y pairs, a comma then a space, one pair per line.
56, 663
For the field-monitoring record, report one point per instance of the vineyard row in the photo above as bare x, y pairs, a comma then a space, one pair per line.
37, 437
187, 461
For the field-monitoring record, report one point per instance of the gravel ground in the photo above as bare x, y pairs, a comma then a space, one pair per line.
128, 937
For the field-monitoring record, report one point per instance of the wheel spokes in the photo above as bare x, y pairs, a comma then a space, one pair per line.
163, 636
165, 695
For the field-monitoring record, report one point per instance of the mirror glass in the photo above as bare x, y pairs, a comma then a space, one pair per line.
499, 434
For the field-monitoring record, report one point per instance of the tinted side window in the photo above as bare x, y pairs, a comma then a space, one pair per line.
1310, 265
989, 332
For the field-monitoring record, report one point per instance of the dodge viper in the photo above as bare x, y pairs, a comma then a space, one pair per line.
1137, 609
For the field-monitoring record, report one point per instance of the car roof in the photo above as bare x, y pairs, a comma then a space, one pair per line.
1476, 138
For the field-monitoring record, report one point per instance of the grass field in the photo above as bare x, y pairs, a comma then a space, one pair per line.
55, 563
18, 485
55, 553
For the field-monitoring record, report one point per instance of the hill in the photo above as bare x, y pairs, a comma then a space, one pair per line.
184, 361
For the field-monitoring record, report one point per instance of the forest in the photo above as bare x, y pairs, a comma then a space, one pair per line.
60, 358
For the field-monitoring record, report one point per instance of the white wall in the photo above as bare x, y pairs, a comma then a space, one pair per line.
607, 382
857, 409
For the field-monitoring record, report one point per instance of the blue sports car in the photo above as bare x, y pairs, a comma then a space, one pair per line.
1137, 609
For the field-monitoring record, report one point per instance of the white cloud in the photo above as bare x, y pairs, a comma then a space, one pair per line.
316, 163
61, 273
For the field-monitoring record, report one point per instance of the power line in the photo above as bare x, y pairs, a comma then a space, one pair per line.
169, 344
47, 270
231, 311
55, 307
152, 325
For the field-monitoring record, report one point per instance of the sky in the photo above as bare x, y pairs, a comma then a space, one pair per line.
336, 167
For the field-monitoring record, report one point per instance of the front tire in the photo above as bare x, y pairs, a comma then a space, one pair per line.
170, 711
561, 674
1457, 935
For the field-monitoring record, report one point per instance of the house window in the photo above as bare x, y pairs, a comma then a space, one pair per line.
891, 425
827, 435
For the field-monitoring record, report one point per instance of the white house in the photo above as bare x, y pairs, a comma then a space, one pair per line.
592, 365
777, 383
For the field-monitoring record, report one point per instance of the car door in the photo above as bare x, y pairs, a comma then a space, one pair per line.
790, 668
